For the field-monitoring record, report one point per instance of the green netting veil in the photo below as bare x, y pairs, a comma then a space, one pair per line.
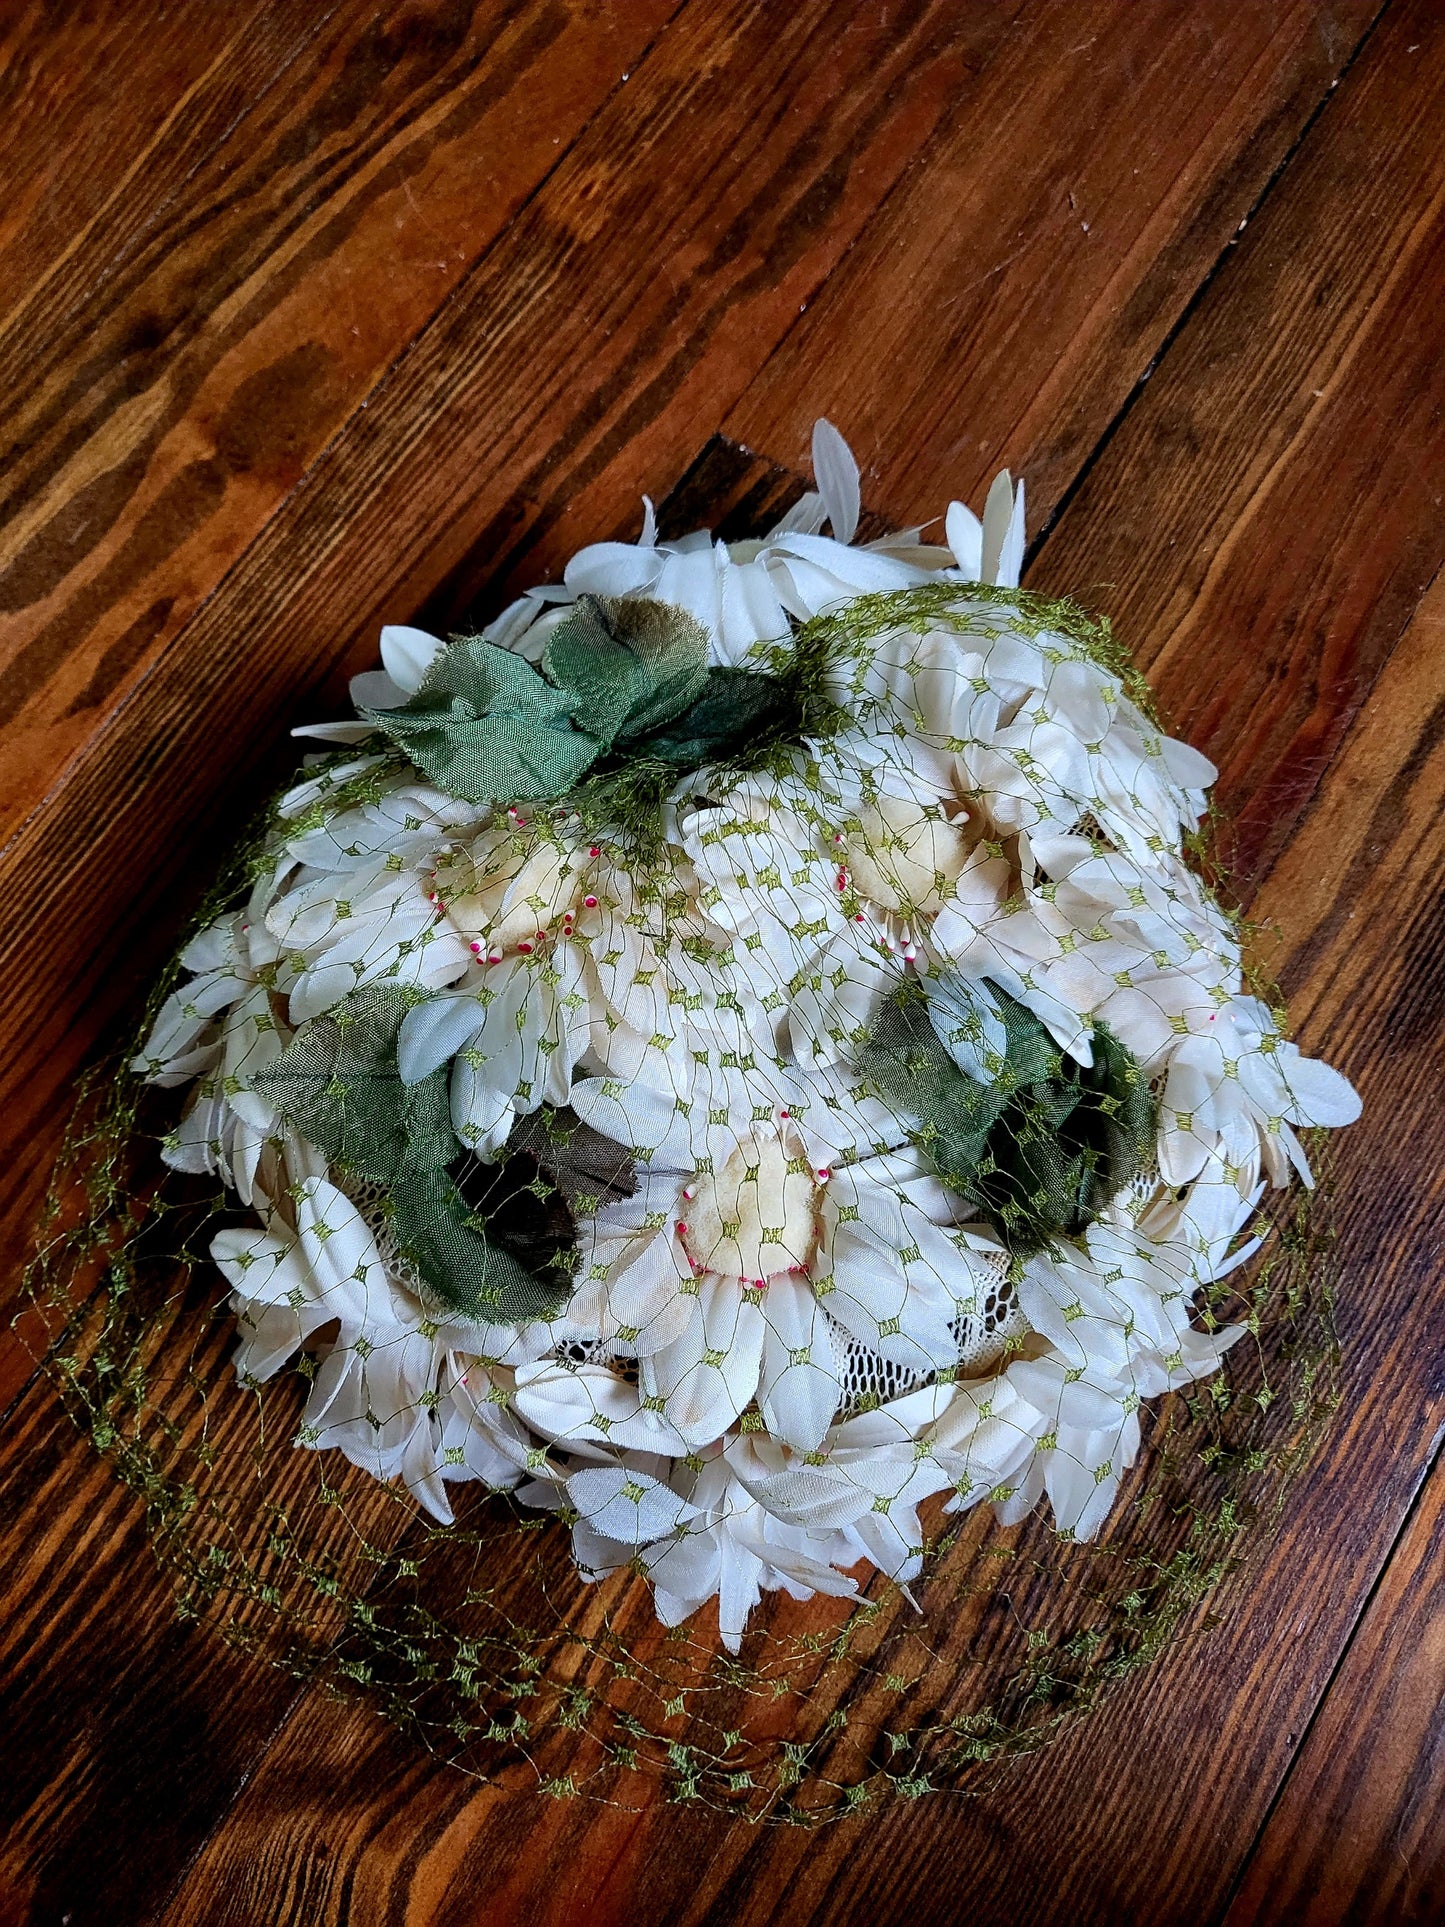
723, 1131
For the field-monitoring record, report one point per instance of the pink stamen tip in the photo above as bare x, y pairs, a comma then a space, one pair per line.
688, 1192
525, 948
860, 918
785, 1113
495, 957
590, 902
681, 1229
475, 948
824, 1175
595, 850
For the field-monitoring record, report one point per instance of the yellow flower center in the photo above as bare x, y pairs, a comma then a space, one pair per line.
509, 890
906, 856
753, 1218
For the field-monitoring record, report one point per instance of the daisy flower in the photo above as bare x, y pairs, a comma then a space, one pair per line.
575, 958
749, 1516
780, 1218
216, 1031
1026, 726
837, 876
353, 905
1232, 1089
394, 1390
1113, 1318
747, 594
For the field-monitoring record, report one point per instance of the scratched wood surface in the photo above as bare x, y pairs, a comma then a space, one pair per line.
315, 316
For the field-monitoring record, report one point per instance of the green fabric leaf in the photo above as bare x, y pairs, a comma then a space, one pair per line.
736, 707
485, 726
627, 702
905, 1060
628, 665
1042, 1149
627, 690
338, 1082
471, 1271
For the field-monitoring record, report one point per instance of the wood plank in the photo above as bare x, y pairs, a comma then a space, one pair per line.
1355, 1834
890, 325
75, 145
106, 1693
1047, 245
1306, 395
122, 1725
296, 218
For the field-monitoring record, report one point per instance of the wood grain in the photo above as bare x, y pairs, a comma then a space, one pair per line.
779, 210
1295, 433
1356, 1833
175, 374
74, 143
1047, 243
117, 1749
112, 1781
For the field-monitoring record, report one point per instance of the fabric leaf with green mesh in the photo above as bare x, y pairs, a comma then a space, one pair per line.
736, 707
624, 687
628, 666
484, 725
338, 1082
1044, 1146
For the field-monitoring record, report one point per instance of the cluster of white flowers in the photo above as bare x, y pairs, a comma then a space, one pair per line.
792, 1332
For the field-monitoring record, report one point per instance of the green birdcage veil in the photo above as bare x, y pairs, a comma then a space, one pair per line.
745, 1140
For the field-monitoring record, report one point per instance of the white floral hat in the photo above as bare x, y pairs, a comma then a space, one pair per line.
738, 1049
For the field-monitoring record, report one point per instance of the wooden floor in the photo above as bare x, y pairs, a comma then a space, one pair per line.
315, 313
